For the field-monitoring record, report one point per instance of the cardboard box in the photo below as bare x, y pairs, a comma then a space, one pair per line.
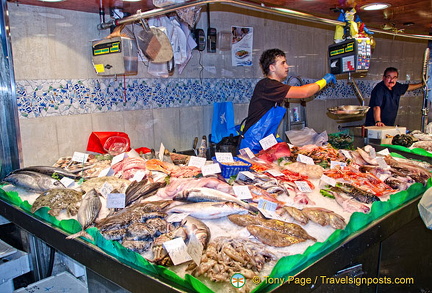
376, 132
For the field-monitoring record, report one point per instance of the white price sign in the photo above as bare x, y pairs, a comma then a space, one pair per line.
195, 248
242, 192
274, 172
210, 169
177, 250
116, 200
67, 182
268, 141
382, 163
176, 217
161, 151
118, 158
303, 186
328, 180
334, 164
305, 159
267, 205
106, 172
347, 154
246, 152
224, 157
106, 189
197, 161
79, 157
245, 175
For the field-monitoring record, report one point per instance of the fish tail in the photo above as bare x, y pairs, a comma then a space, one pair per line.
81, 234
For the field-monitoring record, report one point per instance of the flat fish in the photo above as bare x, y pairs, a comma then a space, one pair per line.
287, 228
244, 220
87, 213
325, 217
273, 238
33, 181
117, 183
58, 199
209, 210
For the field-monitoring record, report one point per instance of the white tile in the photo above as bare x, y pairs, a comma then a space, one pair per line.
139, 126
166, 127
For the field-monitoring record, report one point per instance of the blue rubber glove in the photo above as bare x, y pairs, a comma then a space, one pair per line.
330, 78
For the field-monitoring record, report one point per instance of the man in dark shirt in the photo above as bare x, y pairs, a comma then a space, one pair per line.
270, 91
385, 97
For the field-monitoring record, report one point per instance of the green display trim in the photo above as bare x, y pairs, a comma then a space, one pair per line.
416, 151
285, 267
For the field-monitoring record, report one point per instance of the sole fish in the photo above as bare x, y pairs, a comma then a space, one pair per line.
87, 213
273, 238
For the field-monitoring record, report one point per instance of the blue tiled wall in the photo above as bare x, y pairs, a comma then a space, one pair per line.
41, 98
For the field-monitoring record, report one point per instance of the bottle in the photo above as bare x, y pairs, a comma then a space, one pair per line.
202, 151
295, 115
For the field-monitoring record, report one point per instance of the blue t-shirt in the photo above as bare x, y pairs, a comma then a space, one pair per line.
387, 100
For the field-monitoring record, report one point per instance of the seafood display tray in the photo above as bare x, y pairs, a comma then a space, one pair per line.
342, 255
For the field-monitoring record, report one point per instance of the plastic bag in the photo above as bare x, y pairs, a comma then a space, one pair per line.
268, 124
97, 140
425, 208
307, 136
223, 121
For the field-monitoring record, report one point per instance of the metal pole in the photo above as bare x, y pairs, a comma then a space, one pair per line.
10, 141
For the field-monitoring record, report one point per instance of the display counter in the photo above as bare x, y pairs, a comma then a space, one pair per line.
357, 250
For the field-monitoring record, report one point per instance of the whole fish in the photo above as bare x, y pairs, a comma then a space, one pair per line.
273, 238
357, 193
97, 183
294, 213
33, 181
207, 194
58, 199
198, 228
324, 217
142, 189
287, 228
48, 170
209, 210
88, 213
244, 220
351, 205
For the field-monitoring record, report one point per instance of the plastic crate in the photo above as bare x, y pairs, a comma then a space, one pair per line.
232, 170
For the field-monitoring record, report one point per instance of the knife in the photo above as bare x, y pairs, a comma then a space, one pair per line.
194, 145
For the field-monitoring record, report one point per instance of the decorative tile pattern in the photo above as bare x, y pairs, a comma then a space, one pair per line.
41, 98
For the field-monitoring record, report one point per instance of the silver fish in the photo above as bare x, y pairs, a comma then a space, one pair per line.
141, 190
209, 210
87, 213
33, 181
197, 227
48, 170
203, 194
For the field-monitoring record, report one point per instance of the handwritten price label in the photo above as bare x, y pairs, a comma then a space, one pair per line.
79, 157
246, 152
268, 141
305, 159
242, 192
197, 161
303, 186
210, 169
334, 164
177, 250
224, 157
328, 180
116, 200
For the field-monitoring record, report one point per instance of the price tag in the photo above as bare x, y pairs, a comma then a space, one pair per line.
197, 161
347, 154
79, 157
177, 250
334, 164
210, 169
195, 248
224, 157
382, 163
242, 192
270, 214
267, 205
328, 180
303, 186
116, 200
176, 217
118, 158
106, 172
372, 153
384, 152
275, 172
245, 175
106, 189
67, 182
138, 176
246, 152
161, 152
305, 159
268, 141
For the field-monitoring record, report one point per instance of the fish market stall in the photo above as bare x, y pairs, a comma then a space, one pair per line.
310, 234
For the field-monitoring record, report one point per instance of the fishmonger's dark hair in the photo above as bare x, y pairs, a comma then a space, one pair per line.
268, 58
390, 69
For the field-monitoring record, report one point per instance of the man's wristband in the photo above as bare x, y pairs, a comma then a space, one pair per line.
377, 122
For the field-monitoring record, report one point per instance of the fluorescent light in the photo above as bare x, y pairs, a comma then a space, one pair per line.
51, 0
375, 6
131, 0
